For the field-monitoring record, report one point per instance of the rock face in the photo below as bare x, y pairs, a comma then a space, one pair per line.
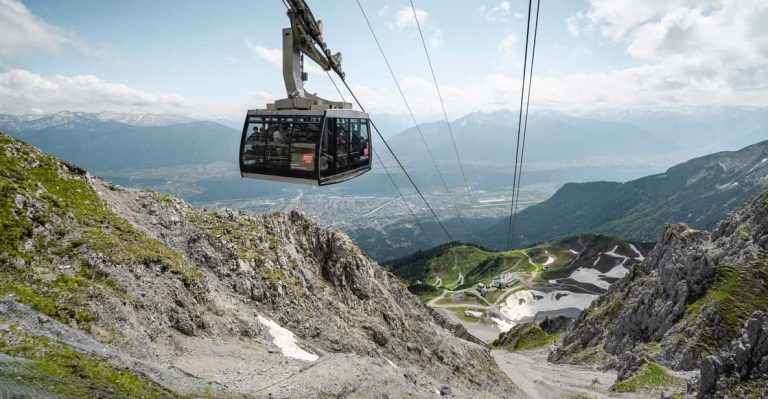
238, 300
686, 301
745, 359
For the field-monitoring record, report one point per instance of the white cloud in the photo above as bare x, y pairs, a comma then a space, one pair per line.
24, 92
23, 32
507, 50
404, 17
271, 55
690, 52
384, 9
275, 57
500, 12
436, 40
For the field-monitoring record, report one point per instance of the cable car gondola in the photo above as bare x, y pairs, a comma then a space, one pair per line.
304, 138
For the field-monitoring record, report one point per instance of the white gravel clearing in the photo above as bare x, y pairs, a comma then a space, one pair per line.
285, 340
550, 260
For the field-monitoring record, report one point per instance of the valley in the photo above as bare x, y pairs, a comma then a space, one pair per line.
491, 292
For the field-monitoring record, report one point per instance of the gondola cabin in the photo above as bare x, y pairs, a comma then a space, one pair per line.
317, 147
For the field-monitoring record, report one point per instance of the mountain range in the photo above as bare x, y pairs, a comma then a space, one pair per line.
699, 192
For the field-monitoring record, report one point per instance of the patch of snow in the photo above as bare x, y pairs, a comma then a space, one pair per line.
573, 252
727, 186
391, 363
553, 281
590, 276
503, 325
615, 255
550, 260
284, 339
639, 256
473, 313
524, 304
617, 272
597, 260
757, 165
594, 277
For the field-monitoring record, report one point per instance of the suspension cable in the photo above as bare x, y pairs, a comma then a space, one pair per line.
525, 127
442, 105
402, 197
389, 175
400, 164
519, 127
408, 108
336, 87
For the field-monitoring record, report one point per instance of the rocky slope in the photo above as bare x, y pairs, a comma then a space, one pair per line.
186, 301
686, 307
700, 192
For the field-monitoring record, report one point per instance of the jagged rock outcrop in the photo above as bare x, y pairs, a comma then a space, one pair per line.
741, 369
687, 300
220, 295
555, 325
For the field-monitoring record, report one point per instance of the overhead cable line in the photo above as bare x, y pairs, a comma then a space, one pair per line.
525, 126
386, 170
336, 87
442, 105
400, 164
519, 127
402, 197
408, 108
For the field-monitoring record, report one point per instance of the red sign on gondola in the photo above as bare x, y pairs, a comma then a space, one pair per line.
307, 158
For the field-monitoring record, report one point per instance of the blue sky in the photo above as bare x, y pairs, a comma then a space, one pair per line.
215, 59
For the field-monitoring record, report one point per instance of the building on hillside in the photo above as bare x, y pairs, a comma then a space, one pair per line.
503, 281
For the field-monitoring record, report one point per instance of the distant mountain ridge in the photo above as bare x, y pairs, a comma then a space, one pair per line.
71, 119
699, 192
109, 141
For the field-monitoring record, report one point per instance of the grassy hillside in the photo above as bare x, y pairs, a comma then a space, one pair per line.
51, 271
458, 266
699, 192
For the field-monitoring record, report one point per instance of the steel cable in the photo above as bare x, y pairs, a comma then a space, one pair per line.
442, 105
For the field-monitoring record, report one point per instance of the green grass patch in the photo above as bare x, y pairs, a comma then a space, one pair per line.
459, 312
40, 193
737, 293
650, 349
650, 377
425, 292
524, 336
60, 369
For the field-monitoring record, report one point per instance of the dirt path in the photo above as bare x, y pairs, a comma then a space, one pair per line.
539, 379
